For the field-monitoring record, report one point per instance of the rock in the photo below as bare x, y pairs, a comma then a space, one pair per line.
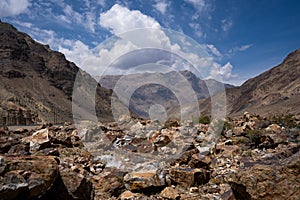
7, 142
274, 128
228, 151
13, 186
171, 123
39, 140
108, 183
169, 193
194, 190
20, 131
2, 165
62, 138
28, 177
228, 142
76, 184
127, 195
19, 149
187, 177
136, 181
276, 181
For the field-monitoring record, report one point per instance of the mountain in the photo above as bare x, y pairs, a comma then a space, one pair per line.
36, 83
153, 93
276, 91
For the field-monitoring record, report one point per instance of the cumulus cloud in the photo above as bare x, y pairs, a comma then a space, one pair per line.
161, 6
13, 7
224, 71
120, 19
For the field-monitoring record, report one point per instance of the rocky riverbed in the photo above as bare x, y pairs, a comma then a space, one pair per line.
250, 158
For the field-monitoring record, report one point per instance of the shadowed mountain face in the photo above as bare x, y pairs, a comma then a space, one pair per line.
36, 83
154, 93
274, 91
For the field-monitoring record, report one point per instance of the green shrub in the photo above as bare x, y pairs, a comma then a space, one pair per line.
204, 120
287, 120
254, 136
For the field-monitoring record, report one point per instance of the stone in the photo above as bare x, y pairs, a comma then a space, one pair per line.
274, 128
187, 177
108, 183
2, 165
169, 193
13, 186
28, 177
194, 189
128, 195
198, 161
20, 131
279, 180
7, 142
39, 140
19, 149
77, 185
136, 181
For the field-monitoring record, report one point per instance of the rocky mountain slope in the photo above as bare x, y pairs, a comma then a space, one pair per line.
150, 94
36, 83
274, 91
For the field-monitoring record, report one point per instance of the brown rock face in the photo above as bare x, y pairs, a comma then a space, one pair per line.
36, 83
28, 177
274, 91
279, 180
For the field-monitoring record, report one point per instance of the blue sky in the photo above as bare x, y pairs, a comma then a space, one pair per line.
244, 38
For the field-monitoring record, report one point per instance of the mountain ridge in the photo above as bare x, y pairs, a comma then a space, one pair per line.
36, 82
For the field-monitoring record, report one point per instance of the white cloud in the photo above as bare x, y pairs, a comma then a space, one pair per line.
13, 7
214, 50
226, 24
225, 72
240, 48
161, 6
75, 51
120, 19
197, 29
101, 2
200, 5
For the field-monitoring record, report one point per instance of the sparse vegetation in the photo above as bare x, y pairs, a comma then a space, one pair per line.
287, 120
254, 136
204, 119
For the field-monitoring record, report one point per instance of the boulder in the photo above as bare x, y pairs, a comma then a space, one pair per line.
187, 177
39, 140
28, 177
136, 181
279, 180
169, 193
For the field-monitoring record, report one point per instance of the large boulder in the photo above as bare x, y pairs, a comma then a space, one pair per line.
275, 179
27, 177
